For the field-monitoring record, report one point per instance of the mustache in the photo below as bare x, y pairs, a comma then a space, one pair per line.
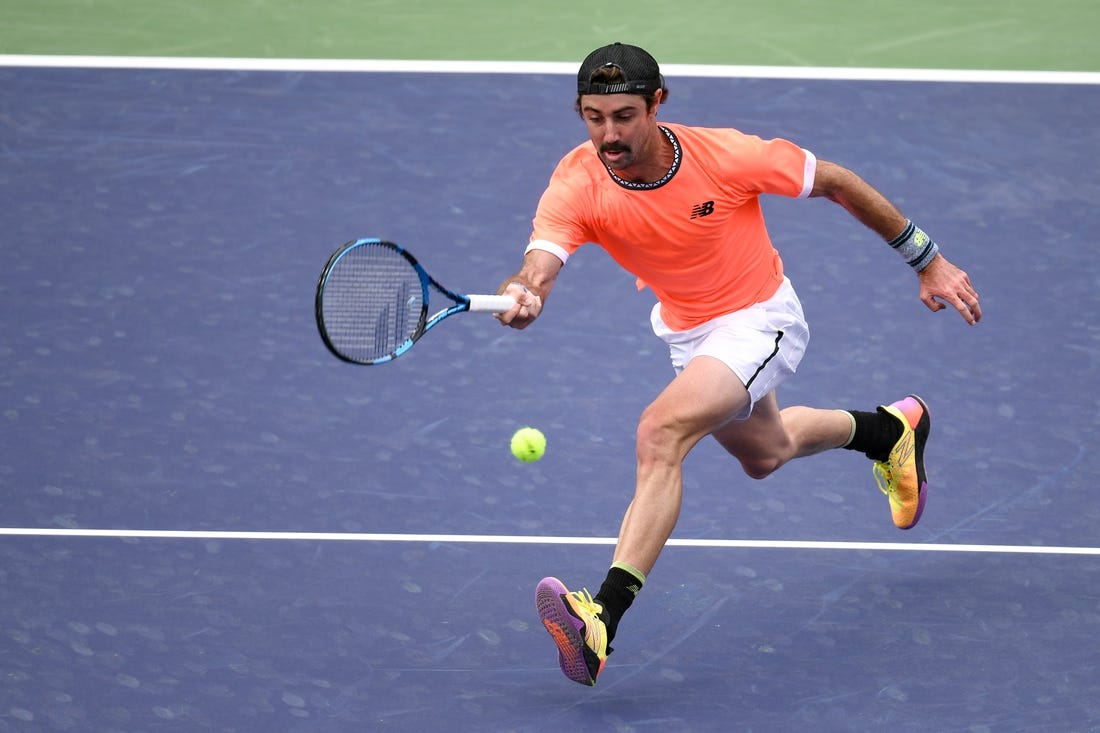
614, 148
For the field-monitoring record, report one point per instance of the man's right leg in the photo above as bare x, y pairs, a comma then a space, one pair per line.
698, 401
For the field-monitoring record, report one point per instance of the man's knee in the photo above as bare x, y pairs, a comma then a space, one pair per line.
653, 431
759, 468
660, 437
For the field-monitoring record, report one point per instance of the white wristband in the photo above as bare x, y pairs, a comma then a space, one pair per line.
914, 246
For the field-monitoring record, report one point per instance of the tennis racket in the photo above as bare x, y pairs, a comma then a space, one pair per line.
372, 302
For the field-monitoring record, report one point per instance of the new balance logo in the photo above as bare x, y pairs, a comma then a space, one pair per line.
704, 209
904, 448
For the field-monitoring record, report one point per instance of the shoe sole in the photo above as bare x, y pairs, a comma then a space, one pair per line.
564, 628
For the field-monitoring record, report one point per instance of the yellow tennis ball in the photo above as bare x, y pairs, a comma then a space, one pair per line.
528, 444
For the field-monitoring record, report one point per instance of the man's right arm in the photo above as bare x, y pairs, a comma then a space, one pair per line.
530, 287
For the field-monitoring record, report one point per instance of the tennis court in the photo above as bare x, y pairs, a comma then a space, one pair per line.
211, 524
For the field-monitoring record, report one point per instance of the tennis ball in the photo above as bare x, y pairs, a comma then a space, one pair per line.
528, 444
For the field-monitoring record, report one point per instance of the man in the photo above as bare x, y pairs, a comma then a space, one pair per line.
678, 207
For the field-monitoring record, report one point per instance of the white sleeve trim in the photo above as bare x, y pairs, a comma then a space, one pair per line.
808, 174
545, 246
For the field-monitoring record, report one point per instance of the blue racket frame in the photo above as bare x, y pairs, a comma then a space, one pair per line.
461, 302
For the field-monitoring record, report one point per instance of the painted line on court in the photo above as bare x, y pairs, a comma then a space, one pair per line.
549, 67
170, 534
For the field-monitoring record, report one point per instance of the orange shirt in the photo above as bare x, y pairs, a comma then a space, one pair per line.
696, 237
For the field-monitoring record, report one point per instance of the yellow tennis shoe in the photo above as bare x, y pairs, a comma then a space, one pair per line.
573, 620
901, 476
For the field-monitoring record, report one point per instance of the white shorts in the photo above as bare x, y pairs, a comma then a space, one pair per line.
762, 344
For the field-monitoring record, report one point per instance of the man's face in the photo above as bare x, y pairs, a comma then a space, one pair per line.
620, 126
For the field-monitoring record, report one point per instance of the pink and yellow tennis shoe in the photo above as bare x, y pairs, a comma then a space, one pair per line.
901, 476
573, 620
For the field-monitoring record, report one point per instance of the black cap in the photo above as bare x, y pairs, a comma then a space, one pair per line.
640, 71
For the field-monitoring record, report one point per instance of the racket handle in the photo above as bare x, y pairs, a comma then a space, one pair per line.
491, 303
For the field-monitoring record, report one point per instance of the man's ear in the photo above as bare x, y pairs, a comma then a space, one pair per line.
658, 100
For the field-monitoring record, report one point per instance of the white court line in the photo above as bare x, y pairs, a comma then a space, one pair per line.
550, 67
535, 540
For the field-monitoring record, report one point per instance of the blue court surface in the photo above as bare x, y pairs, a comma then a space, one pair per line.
162, 236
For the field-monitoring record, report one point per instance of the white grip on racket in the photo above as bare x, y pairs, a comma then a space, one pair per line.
491, 303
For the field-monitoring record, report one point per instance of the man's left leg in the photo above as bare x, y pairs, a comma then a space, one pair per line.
893, 436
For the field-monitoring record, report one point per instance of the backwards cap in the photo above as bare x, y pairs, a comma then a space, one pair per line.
640, 71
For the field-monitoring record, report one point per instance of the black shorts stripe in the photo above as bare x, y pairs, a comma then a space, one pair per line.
778, 338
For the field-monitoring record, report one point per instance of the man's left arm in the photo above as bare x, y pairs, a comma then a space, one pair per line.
941, 283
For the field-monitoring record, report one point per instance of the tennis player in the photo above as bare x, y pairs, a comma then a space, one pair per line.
678, 207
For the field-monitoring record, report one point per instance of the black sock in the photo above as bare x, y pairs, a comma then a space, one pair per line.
875, 433
616, 594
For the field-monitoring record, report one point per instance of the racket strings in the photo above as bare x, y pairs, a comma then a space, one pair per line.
372, 303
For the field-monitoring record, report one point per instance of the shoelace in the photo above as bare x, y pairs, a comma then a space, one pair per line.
884, 478
595, 634
585, 602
